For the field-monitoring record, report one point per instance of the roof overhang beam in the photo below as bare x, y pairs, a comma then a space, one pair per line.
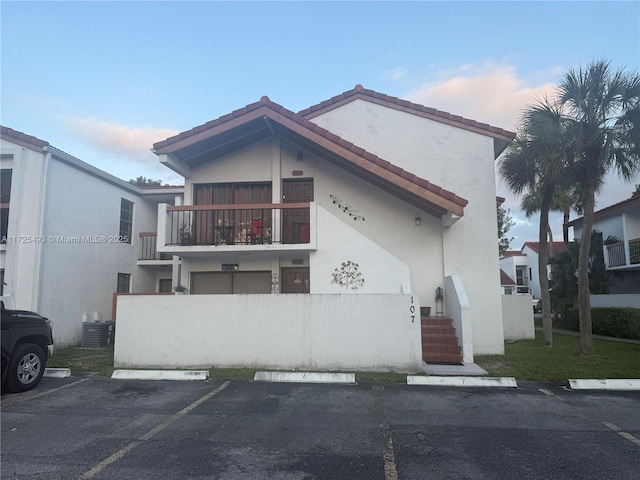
174, 164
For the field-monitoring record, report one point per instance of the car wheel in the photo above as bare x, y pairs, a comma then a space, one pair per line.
25, 368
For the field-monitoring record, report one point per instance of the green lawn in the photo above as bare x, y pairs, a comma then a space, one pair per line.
99, 360
531, 360
524, 360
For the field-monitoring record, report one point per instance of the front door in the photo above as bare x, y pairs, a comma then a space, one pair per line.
295, 280
295, 221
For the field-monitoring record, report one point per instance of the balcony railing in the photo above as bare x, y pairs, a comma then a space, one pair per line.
254, 224
616, 254
634, 251
148, 250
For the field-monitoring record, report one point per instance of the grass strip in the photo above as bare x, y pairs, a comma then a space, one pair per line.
524, 360
531, 360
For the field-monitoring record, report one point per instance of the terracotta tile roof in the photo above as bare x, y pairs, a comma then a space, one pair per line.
359, 92
357, 158
22, 138
505, 279
558, 247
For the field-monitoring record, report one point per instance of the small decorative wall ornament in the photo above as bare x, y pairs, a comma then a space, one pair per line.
275, 283
348, 275
346, 208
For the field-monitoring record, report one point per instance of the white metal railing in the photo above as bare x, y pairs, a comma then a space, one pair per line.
616, 255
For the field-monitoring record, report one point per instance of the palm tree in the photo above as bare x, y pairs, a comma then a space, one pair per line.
529, 166
564, 200
596, 121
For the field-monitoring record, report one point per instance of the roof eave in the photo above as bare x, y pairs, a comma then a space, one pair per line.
399, 182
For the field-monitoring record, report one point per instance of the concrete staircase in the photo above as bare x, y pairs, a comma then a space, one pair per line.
439, 341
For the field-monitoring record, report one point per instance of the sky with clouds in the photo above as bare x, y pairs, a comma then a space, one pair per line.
103, 81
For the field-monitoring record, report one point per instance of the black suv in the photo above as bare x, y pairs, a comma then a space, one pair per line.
27, 342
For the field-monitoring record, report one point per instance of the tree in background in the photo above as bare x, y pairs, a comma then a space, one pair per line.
595, 120
564, 271
505, 222
564, 200
145, 182
532, 167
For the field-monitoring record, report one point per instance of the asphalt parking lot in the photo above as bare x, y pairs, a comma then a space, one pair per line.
93, 427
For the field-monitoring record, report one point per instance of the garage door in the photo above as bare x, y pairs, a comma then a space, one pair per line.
230, 282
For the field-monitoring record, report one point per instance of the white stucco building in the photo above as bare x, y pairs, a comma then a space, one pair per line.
316, 239
70, 235
619, 222
522, 267
310, 239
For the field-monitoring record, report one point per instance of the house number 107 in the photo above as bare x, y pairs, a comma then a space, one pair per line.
412, 310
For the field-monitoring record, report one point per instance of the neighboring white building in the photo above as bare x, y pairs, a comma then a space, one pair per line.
622, 257
310, 240
522, 266
71, 235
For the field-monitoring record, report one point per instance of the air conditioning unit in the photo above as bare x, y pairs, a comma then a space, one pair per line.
98, 334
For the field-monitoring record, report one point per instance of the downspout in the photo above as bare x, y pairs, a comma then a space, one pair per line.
37, 284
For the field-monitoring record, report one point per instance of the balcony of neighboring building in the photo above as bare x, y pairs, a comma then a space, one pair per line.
213, 229
623, 255
148, 252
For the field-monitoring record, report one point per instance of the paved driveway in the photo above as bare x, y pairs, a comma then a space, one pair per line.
92, 427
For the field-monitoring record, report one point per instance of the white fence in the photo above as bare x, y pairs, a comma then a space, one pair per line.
323, 331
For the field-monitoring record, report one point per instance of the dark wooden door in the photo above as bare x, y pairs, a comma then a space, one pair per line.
295, 280
295, 221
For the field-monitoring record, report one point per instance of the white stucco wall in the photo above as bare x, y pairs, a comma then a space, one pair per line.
533, 271
64, 276
21, 259
338, 242
628, 300
518, 317
319, 332
455, 159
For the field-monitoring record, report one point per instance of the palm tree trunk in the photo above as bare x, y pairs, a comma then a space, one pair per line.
584, 302
565, 228
543, 257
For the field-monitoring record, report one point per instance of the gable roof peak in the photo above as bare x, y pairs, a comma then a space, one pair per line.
359, 92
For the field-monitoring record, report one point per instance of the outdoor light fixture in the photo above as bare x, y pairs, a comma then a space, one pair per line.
417, 219
439, 302
299, 157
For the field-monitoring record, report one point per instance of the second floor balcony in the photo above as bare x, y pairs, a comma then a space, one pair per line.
236, 228
148, 250
623, 255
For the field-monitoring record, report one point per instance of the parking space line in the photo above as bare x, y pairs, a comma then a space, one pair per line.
388, 453
22, 398
596, 418
123, 451
389, 456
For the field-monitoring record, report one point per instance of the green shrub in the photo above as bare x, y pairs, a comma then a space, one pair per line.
610, 321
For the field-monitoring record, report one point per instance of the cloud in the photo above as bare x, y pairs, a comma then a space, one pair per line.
396, 74
487, 92
133, 143
125, 151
